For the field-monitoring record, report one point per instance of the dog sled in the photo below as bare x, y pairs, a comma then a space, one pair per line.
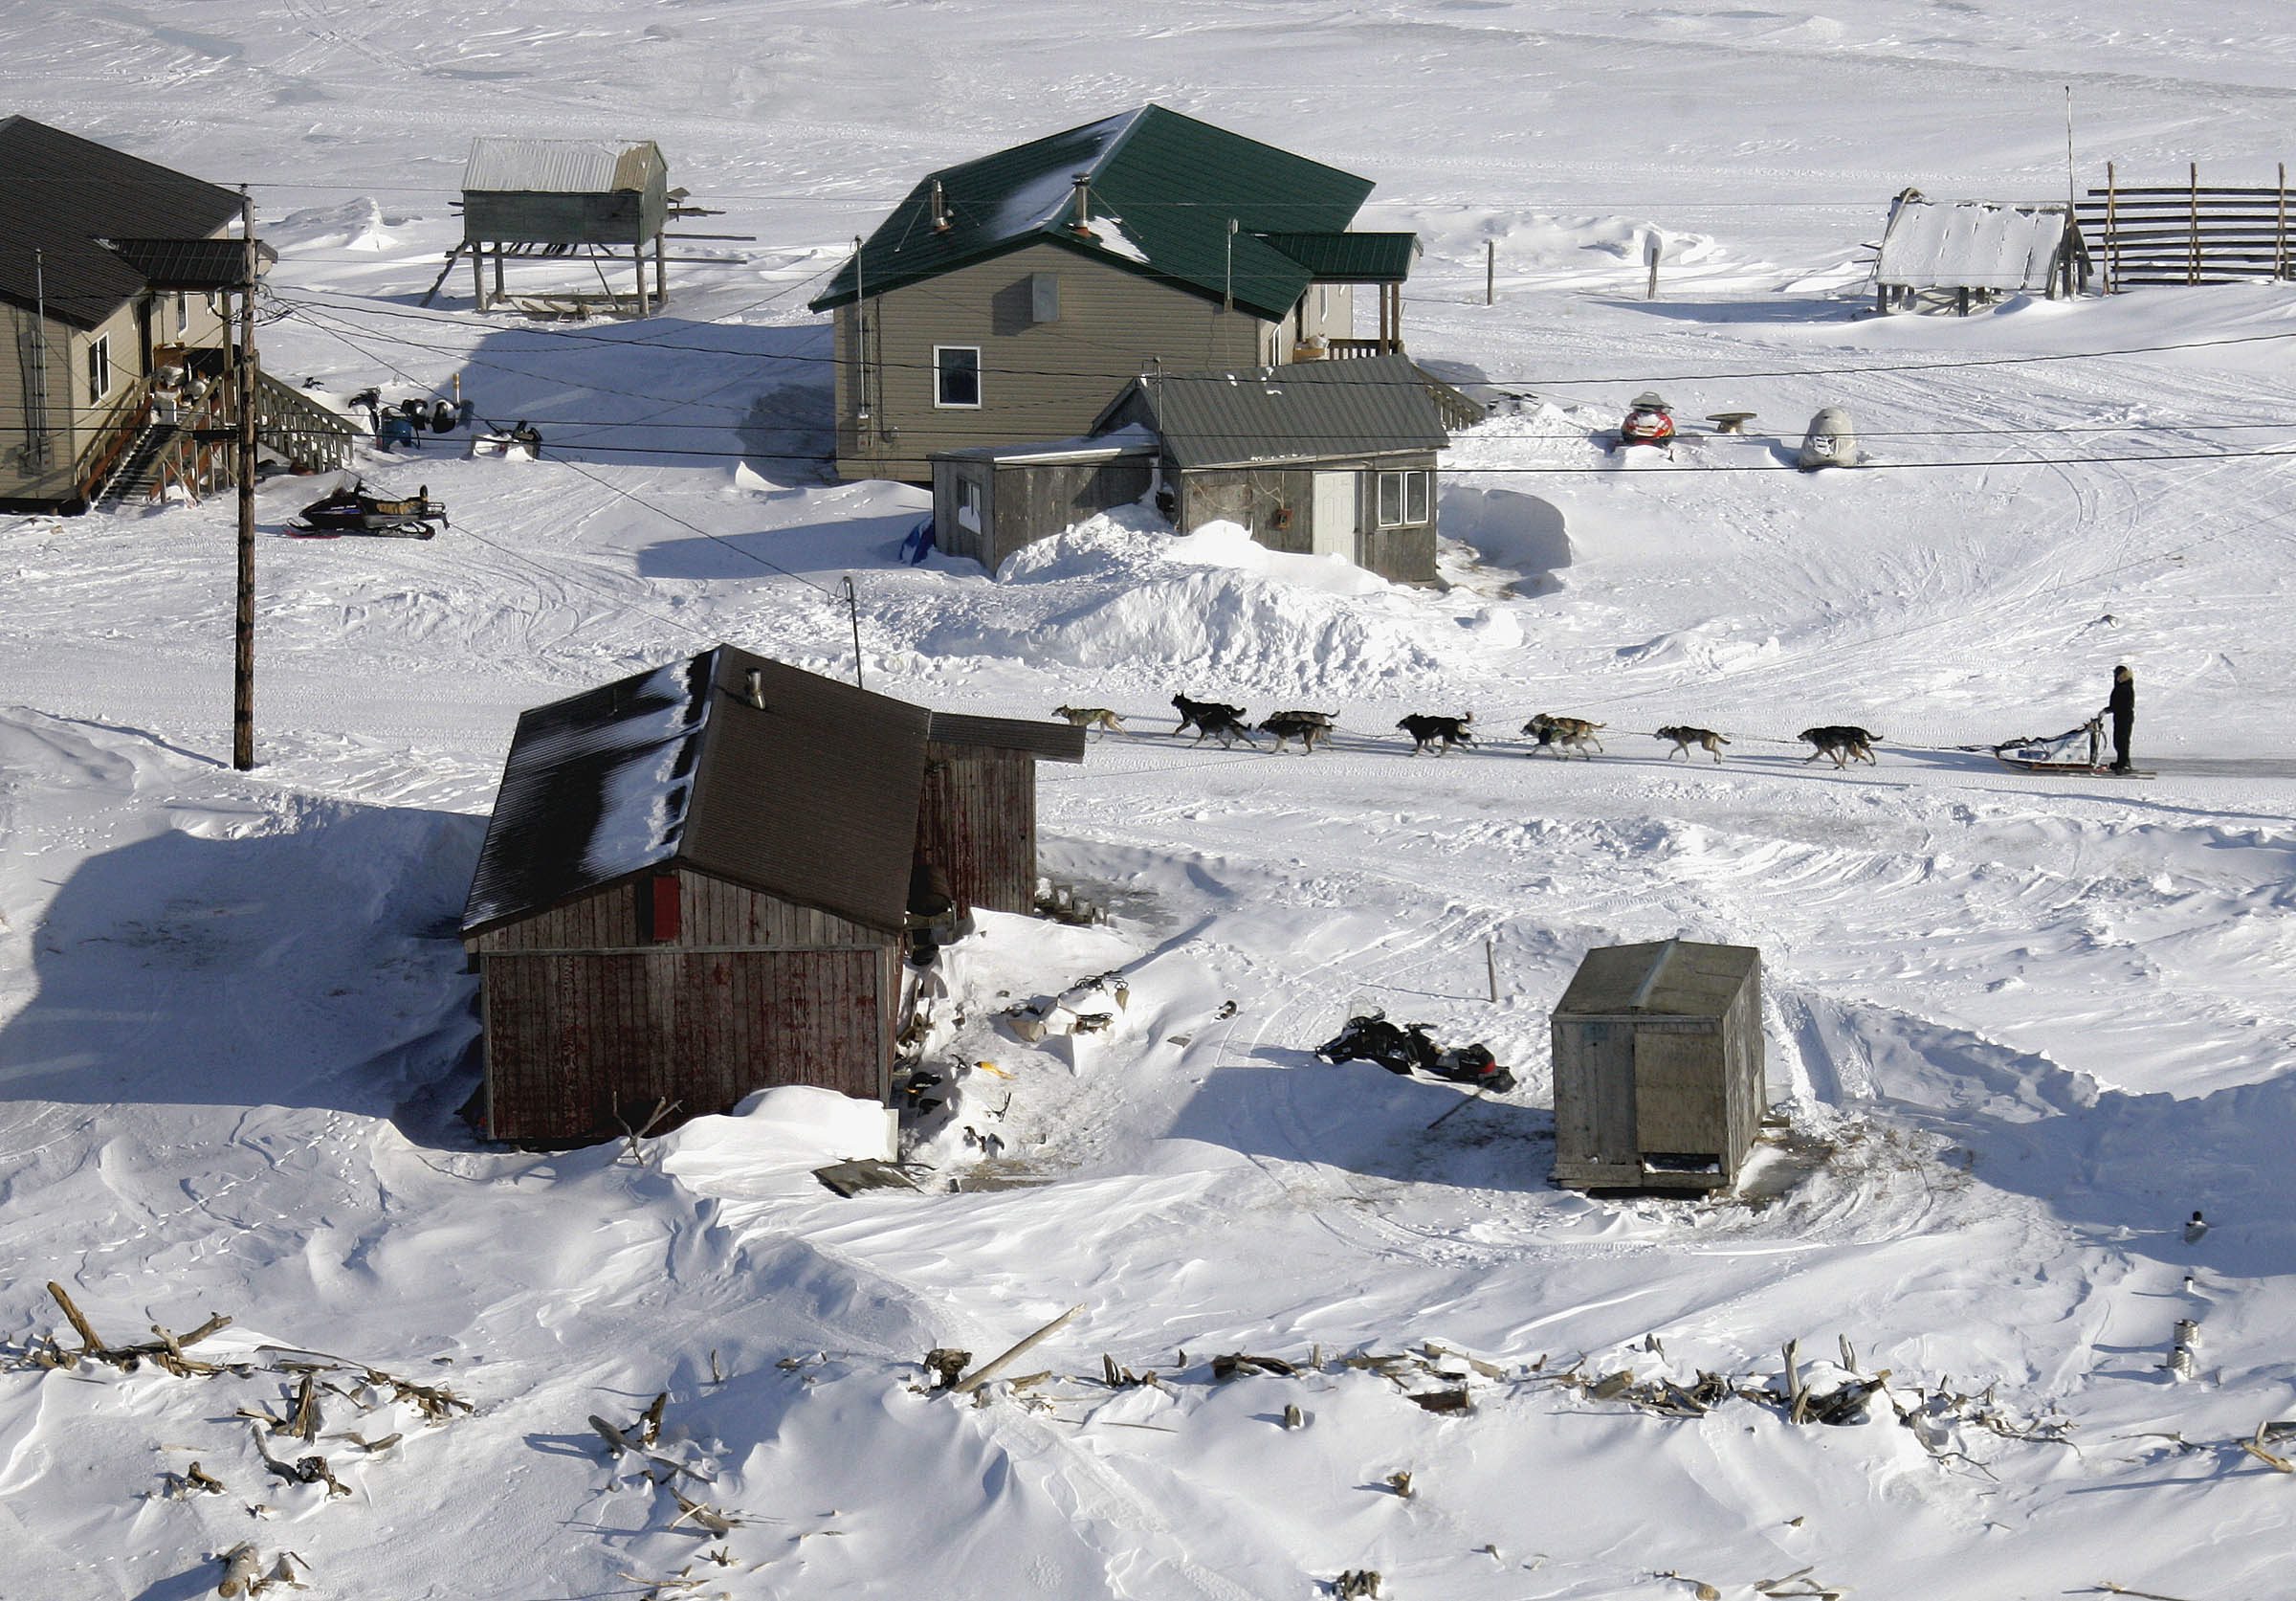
352, 510
1403, 1049
2077, 750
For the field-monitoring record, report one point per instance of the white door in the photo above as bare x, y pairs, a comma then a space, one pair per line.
1334, 533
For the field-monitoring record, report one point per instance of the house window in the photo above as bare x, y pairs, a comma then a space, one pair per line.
968, 504
1403, 498
99, 370
183, 313
957, 375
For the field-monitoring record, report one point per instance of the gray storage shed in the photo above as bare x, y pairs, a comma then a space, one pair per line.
560, 198
1658, 1067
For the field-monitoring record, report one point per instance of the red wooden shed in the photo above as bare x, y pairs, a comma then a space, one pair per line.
695, 883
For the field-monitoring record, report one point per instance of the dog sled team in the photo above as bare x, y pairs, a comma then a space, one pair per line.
1550, 733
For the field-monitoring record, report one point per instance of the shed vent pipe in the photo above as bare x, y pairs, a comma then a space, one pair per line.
940, 210
755, 677
1081, 223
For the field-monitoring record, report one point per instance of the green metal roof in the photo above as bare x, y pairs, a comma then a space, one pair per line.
1350, 258
1162, 191
1307, 411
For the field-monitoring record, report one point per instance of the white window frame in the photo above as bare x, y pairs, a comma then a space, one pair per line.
968, 505
183, 313
100, 368
941, 402
1408, 484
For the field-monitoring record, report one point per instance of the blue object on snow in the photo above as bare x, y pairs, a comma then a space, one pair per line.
396, 430
918, 543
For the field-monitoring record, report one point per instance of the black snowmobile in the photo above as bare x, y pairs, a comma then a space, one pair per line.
1406, 1047
351, 510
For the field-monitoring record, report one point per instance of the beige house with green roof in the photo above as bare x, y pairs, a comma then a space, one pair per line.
1008, 298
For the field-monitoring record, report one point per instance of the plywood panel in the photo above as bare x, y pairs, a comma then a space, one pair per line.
1679, 1095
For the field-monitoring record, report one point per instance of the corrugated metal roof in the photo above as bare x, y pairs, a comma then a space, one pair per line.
1163, 188
500, 165
1668, 978
59, 193
1350, 257
1970, 244
1363, 406
812, 799
1050, 741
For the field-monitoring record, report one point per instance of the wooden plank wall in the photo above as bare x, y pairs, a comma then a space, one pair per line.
579, 1044
977, 822
715, 914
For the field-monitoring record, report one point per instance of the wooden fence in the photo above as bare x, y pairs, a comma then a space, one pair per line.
2182, 234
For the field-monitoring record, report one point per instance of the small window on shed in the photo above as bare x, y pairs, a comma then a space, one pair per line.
1403, 498
957, 375
968, 504
1044, 296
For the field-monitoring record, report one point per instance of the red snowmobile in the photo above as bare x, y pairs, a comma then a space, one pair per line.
1649, 421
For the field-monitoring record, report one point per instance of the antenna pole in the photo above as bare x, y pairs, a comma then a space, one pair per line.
852, 610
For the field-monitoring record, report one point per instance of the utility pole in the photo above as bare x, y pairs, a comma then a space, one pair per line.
243, 660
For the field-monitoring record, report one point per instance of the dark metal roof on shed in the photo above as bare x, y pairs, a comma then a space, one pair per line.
1049, 741
812, 799
1307, 411
59, 193
1163, 190
1668, 978
191, 264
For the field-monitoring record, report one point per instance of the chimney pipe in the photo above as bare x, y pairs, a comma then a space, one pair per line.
756, 679
942, 223
1081, 224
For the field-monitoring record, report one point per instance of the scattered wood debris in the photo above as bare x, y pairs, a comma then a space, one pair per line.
1357, 1582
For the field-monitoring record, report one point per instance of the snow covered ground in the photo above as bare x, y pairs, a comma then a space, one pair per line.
2018, 1028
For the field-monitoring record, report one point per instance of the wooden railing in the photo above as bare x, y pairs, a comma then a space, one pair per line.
119, 428
1340, 347
2182, 234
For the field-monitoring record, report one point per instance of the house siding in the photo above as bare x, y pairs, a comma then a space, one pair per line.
1039, 380
23, 478
978, 824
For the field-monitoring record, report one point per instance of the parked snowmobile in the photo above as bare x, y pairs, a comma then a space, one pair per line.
1830, 442
351, 510
1402, 1049
1649, 421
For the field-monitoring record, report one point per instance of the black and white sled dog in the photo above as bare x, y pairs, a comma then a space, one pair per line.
1441, 732
1196, 713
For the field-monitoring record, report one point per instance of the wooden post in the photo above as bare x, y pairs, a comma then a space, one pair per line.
499, 292
1490, 270
996, 1364
2192, 259
479, 275
637, 261
243, 628
1490, 965
2280, 246
661, 273
2112, 232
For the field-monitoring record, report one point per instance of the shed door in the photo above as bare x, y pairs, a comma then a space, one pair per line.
1678, 1106
1334, 532
1606, 1085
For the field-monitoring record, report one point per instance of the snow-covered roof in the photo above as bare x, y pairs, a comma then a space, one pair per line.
1970, 244
560, 166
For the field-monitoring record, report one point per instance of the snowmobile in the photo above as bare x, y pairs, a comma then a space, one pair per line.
1649, 421
351, 510
2077, 750
1830, 442
1403, 1048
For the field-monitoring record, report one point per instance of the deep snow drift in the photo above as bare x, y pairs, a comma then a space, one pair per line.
2018, 1028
